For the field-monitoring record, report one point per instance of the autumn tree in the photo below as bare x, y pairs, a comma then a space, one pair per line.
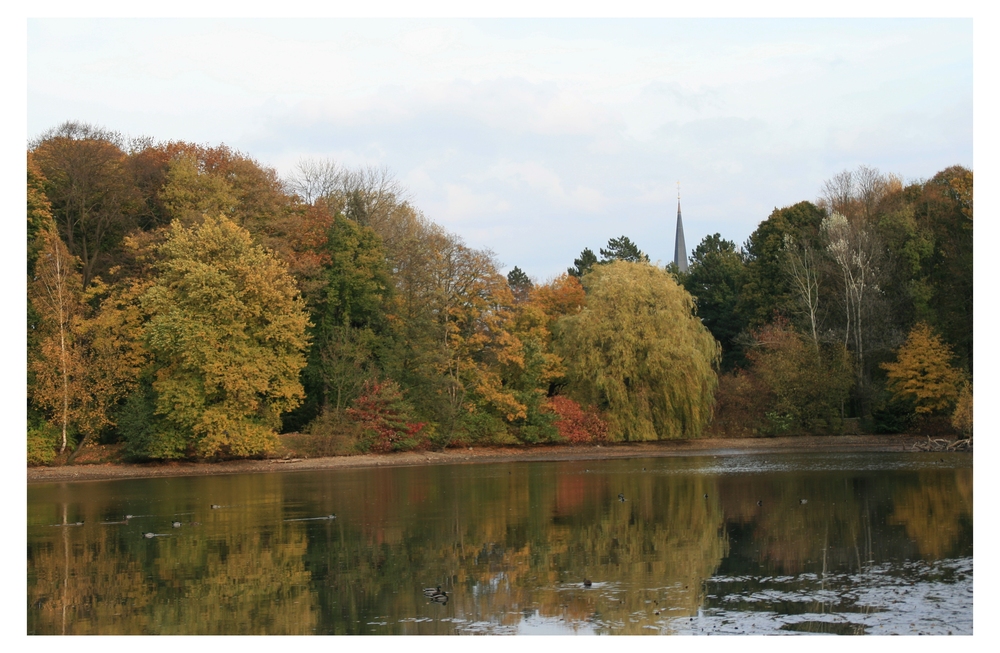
55, 364
94, 200
531, 368
638, 352
537, 371
477, 339
385, 417
806, 384
83, 352
575, 424
39, 219
189, 192
227, 334
564, 295
961, 419
923, 374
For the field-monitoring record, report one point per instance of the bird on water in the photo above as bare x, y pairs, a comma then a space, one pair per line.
586, 582
621, 497
436, 594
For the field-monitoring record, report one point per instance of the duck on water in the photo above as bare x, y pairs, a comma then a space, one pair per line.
436, 594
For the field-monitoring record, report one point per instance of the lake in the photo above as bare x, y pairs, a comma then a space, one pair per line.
742, 544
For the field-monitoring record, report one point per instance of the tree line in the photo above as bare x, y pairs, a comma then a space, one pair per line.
185, 301
857, 306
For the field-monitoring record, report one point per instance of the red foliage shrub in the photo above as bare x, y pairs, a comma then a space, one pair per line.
576, 424
384, 415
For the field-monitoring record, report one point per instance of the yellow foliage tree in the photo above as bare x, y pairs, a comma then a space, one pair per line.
638, 351
227, 333
923, 372
112, 352
961, 419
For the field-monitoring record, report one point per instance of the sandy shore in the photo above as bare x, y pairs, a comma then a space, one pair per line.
726, 447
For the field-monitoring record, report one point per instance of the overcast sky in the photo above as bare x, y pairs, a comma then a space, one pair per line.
536, 138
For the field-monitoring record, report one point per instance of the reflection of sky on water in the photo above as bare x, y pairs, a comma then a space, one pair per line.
738, 462
889, 599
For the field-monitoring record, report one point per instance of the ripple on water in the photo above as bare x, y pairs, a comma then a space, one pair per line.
911, 598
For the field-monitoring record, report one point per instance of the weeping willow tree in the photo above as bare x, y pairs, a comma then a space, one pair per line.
638, 351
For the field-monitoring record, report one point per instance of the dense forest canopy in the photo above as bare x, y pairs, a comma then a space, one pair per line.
185, 301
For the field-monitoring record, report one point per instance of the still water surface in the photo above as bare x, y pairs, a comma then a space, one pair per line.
811, 543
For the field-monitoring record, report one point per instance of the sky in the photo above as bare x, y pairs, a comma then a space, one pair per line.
536, 138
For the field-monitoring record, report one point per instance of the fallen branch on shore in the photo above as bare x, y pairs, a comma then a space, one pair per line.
940, 444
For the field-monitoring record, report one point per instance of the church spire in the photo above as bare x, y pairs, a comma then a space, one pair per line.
680, 250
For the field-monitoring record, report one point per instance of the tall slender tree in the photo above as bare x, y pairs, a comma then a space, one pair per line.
56, 366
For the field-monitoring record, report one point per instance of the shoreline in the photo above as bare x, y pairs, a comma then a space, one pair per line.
543, 453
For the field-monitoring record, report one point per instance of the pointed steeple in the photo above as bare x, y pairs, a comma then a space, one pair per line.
680, 250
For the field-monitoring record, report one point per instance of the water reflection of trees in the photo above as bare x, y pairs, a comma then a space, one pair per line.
233, 572
502, 541
847, 521
939, 522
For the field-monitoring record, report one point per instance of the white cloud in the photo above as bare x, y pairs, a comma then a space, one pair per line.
464, 204
502, 128
540, 178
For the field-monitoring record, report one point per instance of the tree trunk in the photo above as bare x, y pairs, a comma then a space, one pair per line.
61, 306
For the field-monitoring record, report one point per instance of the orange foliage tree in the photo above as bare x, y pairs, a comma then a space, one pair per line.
564, 295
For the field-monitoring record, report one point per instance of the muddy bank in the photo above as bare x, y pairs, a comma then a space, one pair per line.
726, 447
